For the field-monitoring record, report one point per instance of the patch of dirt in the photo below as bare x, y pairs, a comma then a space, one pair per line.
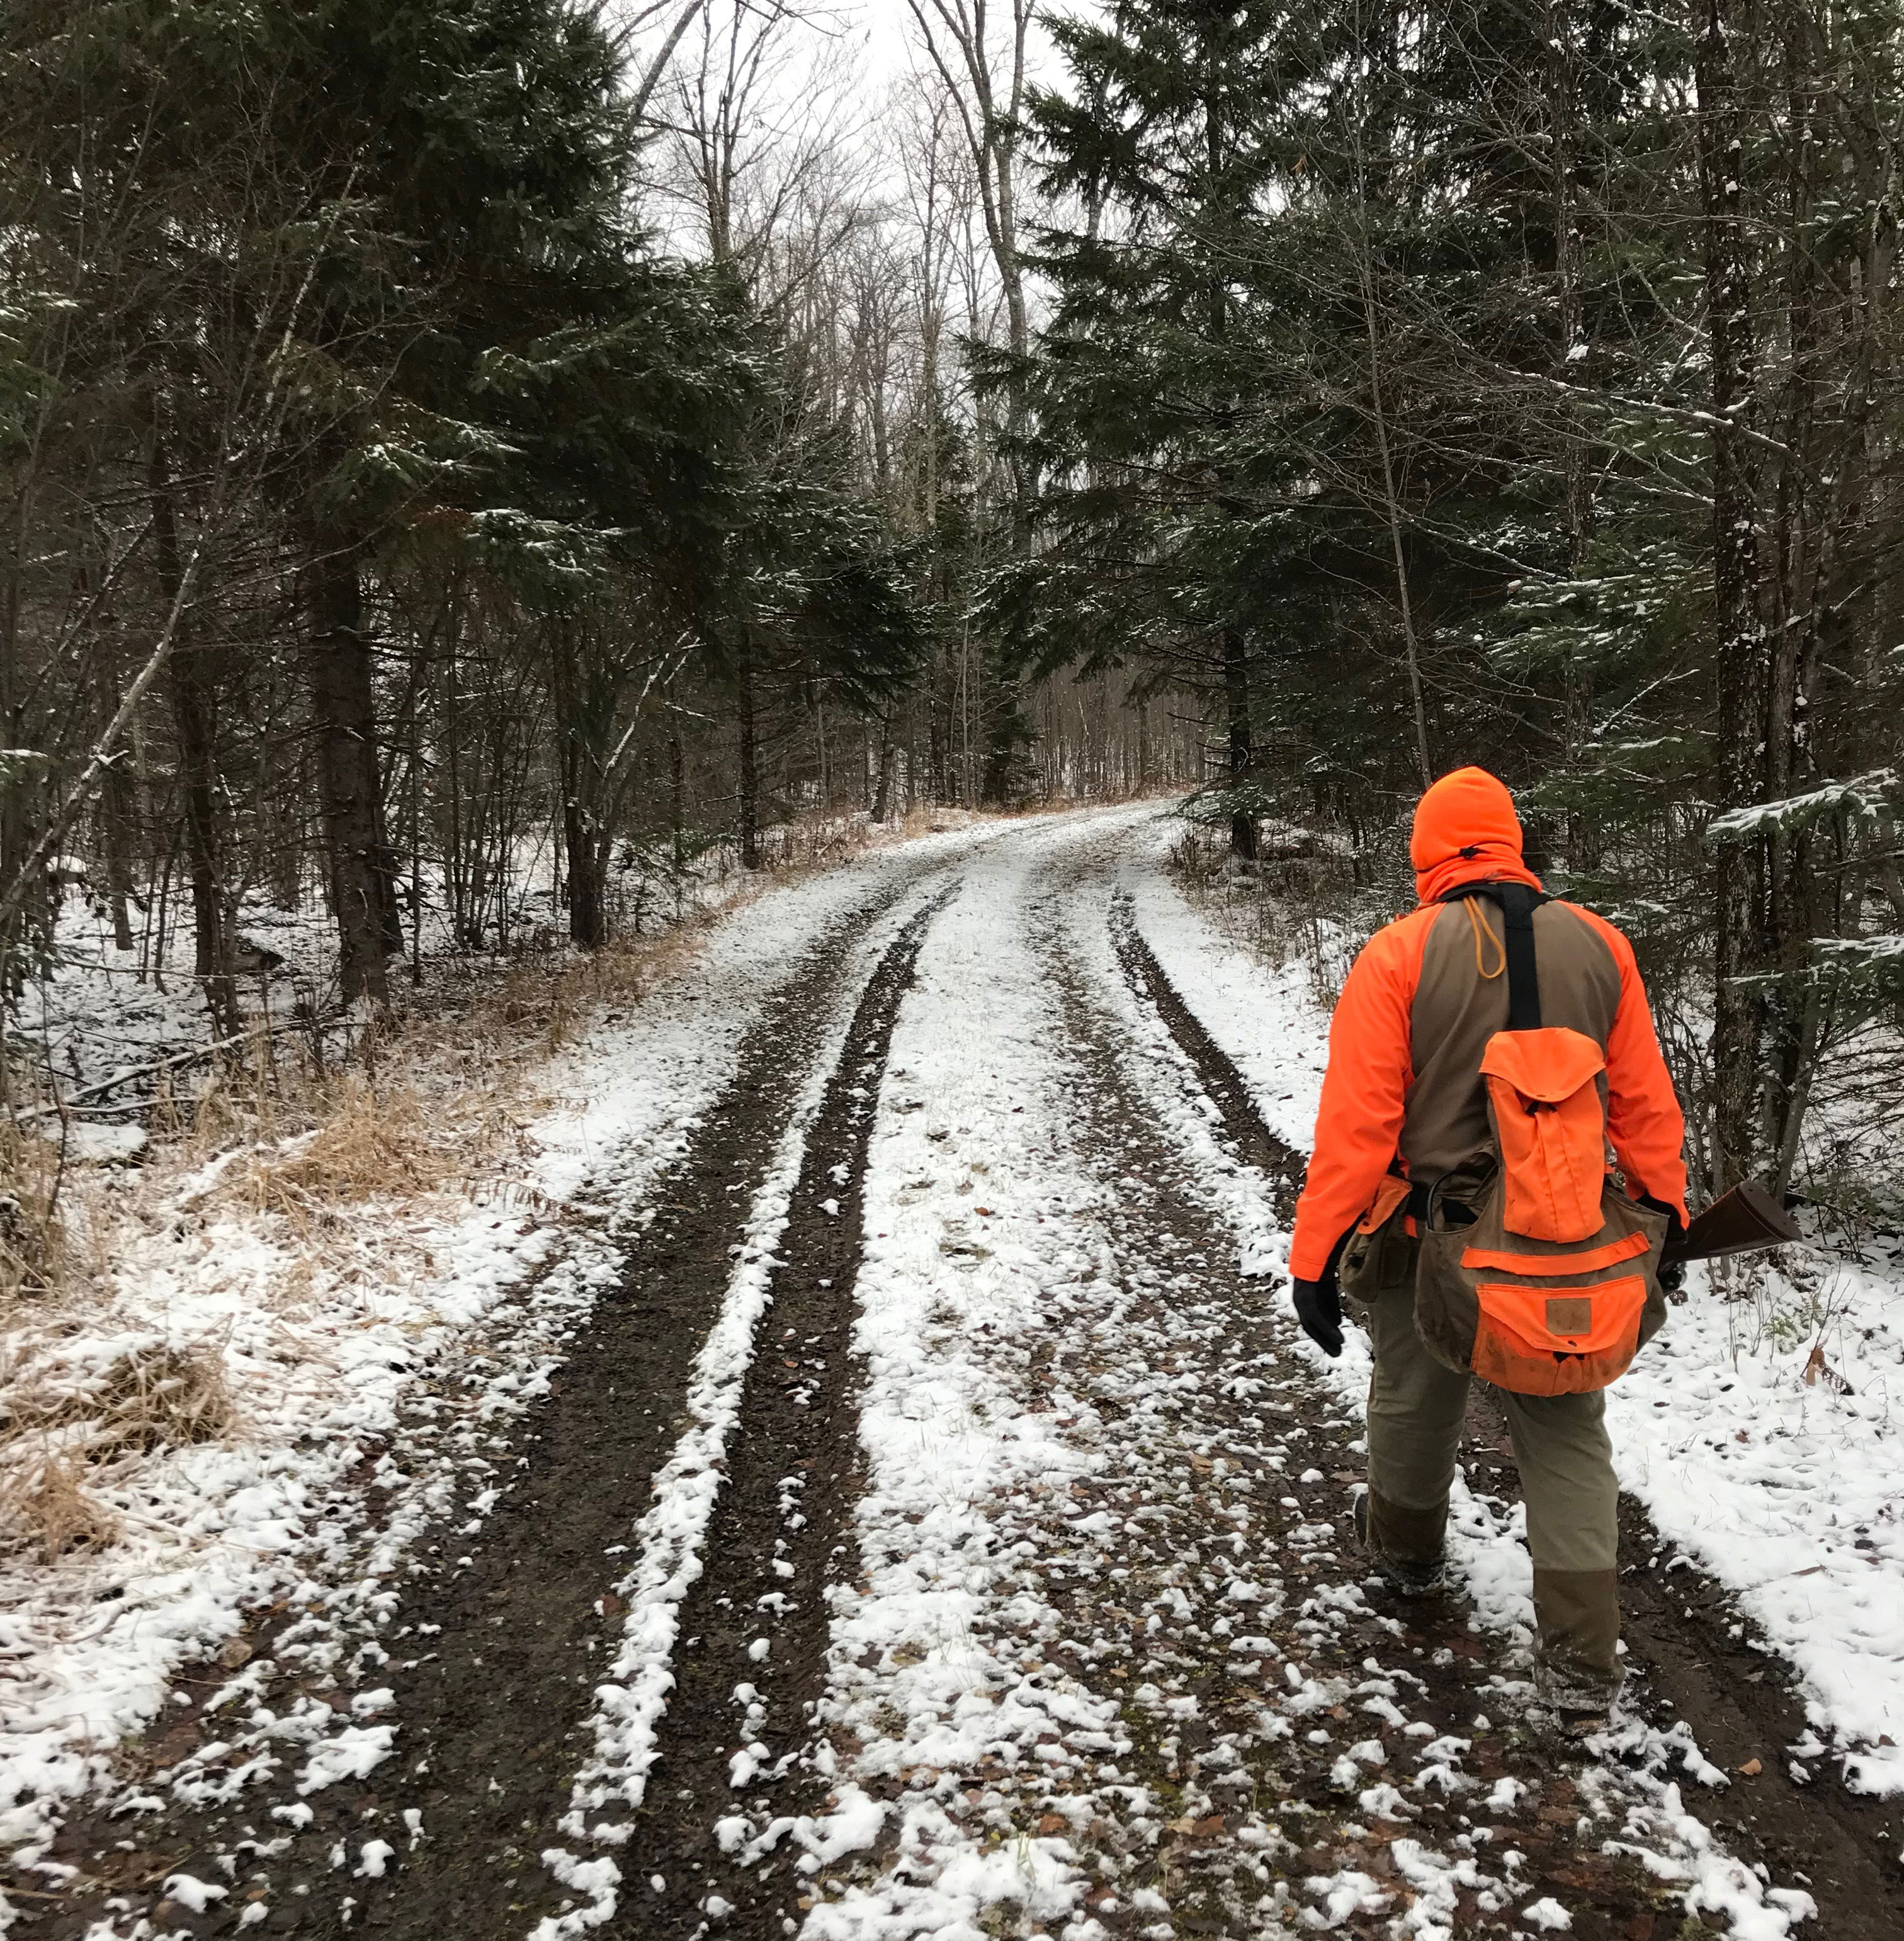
1690, 1650
498, 1635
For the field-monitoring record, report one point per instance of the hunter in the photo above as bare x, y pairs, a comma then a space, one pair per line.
1418, 1100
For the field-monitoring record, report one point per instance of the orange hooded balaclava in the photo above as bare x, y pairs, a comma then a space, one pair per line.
1466, 832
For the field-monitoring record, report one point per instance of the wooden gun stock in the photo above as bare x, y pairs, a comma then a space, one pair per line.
1745, 1220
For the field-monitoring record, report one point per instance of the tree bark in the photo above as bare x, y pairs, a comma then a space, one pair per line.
1739, 660
1243, 748
192, 702
1794, 911
677, 821
1565, 82
343, 710
749, 804
882, 795
116, 821
587, 917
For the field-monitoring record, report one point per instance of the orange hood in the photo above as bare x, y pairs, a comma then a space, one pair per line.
1466, 832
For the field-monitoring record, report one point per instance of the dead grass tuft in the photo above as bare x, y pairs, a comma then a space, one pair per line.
541, 1004
45, 1505
166, 1396
379, 1141
34, 1253
70, 1419
149, 1394
376, 1142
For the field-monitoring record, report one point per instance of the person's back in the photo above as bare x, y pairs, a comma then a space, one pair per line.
1404, 1095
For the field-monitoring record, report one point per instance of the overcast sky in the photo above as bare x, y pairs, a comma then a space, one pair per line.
890, 38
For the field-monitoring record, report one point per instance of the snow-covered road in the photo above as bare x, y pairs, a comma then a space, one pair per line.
935, 1525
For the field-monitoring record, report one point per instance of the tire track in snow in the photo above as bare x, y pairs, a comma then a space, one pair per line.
486, 1668
1256, 1145
1637, 1781
712, 1697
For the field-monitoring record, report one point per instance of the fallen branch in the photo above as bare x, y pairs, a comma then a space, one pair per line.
175, 1062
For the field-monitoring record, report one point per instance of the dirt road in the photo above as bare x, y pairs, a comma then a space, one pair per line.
940, 1530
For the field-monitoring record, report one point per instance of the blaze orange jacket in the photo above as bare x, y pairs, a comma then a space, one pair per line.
1403, 1081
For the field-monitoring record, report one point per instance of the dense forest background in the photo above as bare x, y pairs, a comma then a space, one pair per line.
441, 445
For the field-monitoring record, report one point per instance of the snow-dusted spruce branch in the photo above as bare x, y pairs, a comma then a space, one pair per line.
105, 750
1615, 400
1869, 797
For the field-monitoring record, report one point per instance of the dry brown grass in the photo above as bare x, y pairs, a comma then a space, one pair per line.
45, 1506
383, 1142
35, 1254
70, 1421
150, 1394
622, 974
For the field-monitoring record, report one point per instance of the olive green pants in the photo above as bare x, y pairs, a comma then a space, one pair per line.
1415, 1410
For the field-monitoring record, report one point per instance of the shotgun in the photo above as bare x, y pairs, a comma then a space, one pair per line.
1745, 1220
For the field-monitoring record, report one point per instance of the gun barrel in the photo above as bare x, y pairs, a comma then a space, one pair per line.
1745, 1220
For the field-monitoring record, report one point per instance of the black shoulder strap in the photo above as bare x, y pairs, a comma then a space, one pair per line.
1518, 903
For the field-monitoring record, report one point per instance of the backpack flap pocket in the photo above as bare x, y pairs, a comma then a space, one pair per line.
1558, 1340
1550, 1125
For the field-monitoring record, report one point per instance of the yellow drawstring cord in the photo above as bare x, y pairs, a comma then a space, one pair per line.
1478, 924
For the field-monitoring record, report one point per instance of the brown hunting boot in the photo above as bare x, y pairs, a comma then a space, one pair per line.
1408, 1577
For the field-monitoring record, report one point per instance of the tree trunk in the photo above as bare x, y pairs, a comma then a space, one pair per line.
750, 806
1242, 752
677, 814
1739, 662
938, 729
116, 821
882, 795
343, 710
1804, 537
588, 918
192, 697
1562, 29
1576, 700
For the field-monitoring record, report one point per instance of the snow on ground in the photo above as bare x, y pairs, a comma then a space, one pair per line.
1784, 1492
1069, 1415
374, 1354
973, 1233
1788, 1492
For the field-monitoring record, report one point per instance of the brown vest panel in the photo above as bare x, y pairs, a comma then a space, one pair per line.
1456, 1010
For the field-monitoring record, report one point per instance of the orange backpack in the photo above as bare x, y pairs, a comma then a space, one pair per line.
1538, 1271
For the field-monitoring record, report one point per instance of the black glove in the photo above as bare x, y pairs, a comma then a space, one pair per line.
1318, 1308
1672, 1274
